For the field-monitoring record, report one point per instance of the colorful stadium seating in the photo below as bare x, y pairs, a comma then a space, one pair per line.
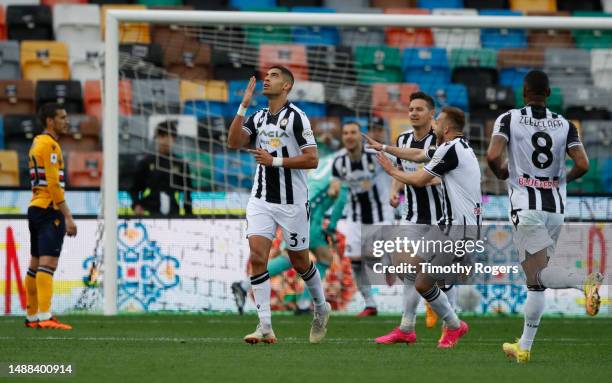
601, 67
9, 63
448, 95
378, 64
76, 23
426, 66
17, 97
83, 134
93, 98
533, 5
67, 93
590, 39
44, 60
155, 96
390, 100
86, 60
408, 37
451, 38
236, 92
502, 38
133, 134
9, 168
84, 169
474, 67
135, 59
189, 60
292, 56
29, 22
315, 35
207, 98
2, 23
310, 97
129, 33
328, 63
239, 64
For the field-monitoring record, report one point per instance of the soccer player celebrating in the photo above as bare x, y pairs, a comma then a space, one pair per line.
284, 148
423, 208
368, 194
537, 141
455, 163
49, 217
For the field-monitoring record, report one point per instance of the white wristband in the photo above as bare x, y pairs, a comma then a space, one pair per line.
384, 147
241, 111
277, 162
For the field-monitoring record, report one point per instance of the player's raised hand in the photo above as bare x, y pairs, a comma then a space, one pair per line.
248, 92
385, 162
262, 156
372, 143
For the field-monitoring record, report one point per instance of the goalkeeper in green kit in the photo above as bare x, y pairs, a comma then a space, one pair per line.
319, 203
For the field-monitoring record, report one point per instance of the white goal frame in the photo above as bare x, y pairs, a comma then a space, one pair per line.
111, 77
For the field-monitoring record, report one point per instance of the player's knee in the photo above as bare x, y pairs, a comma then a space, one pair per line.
258, 259
422, 285
48, 262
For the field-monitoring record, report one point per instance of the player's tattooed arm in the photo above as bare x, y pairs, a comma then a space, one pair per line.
495, 157
419, 178
581, 162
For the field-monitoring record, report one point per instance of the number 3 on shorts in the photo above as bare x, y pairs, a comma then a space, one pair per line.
293, 239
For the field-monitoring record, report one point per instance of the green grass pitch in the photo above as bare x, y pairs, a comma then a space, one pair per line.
209, 348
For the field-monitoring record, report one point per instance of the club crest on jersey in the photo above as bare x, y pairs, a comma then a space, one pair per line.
307, 133
284, 123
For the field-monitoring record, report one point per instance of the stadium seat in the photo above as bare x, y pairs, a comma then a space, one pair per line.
133, 134
448, 95
486, 4
9, 168
592, 38
488, 102
207, 98
431, 4
129, 33
187, 128
587, 103
554, 102
597, 137
67, 93
189, 61
550, 38
19, 130
236, 92
331, 64
246, 4
568, 68
2, 23
426, 66
573, 5
514, 64
362, 36
310, 97
476, 67
237, 64
268, 34
83, 134
86, 60
451, 38
378, 64
343, 101
44, 60
234, 169
16, 97
84, 169
533, 5
9, 60
601, 67
138, 60
76, 22
155, 96
315, 35
29, 22
408, 37
502, 38
292, 56
391, 100
93, 98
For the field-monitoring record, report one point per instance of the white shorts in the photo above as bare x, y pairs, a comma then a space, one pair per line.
263, 218
536, 230
352, 232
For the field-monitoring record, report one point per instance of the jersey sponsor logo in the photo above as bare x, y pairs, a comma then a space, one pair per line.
272, 134
275, 142
539, 184
540, 124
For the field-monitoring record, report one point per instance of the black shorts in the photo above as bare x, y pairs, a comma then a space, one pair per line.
47, 230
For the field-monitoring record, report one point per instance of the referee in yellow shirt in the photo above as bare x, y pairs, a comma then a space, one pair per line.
49, 217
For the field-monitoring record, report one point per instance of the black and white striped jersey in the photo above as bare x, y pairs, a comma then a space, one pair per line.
538, 140
283, 134
423, 205
368, 184
456, 164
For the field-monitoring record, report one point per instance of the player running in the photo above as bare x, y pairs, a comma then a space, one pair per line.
320, 203
455, 163
284, 148
49, 217
423, 206
537, 141
368, 195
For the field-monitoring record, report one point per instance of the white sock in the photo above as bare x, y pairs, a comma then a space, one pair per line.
362, 284
439, 303
261, 293
534, 307
411, 299
44, 316
245, 284
451, 294
32, 318
555, 277
312, 278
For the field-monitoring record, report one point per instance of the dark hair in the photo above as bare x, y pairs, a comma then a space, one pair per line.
423, 96
352, 122
165, 128
376, 122
537, 83
48, 111
285, 72
455, 116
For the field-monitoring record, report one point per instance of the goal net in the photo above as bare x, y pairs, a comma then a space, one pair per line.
188, 70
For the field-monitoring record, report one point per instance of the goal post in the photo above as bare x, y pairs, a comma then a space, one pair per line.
204, 18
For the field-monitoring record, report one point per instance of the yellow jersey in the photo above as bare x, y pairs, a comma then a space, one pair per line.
46, 172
